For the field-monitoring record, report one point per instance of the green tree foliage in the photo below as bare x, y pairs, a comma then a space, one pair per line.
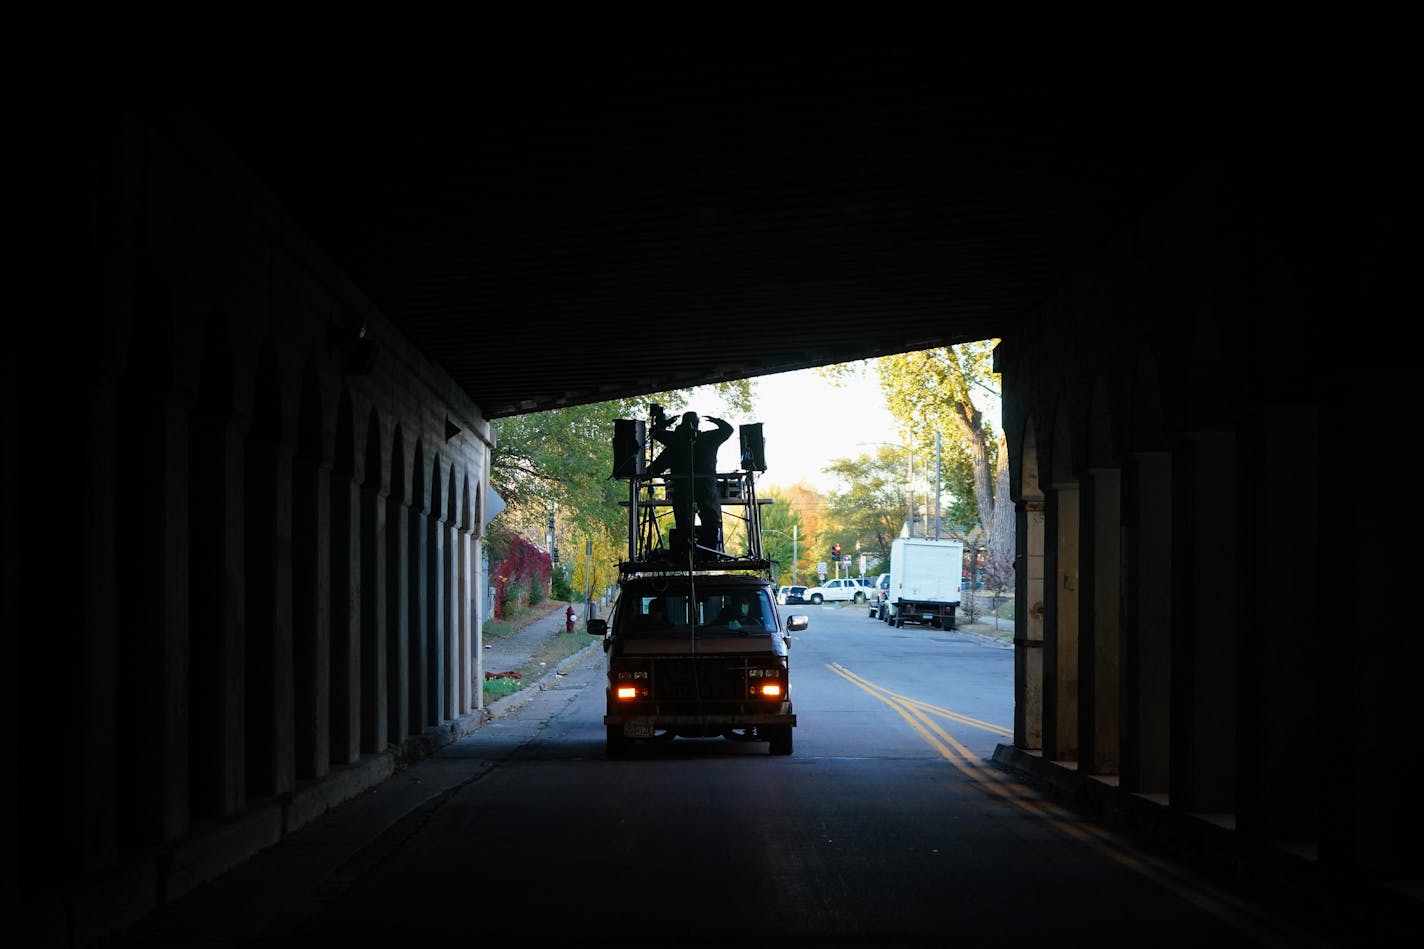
931, 393
783, 537
940, 391
868, 514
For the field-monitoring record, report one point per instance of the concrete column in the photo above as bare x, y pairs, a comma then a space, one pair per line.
271, 753
1060, 630
217, 741
93, 810
1099, 644
1373, 822
1204, 623
1146, 622
397, 620
477, 595
1028, 623
420, 676
372, 661
152, 613
451, 600
345, 619
467, 625
1287, 614
435, 595
311, 612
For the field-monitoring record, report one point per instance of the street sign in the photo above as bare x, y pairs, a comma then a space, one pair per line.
821, 568
846, 560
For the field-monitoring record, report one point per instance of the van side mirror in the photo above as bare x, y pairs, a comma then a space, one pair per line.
597, 627
794, 624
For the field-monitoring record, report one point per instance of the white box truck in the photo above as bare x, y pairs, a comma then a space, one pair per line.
924, 582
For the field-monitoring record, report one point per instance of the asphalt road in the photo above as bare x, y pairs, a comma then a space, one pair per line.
887, 827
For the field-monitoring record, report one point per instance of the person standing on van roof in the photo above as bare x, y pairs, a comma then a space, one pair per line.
690, 460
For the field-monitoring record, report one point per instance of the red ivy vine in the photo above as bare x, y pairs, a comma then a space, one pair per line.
521, 564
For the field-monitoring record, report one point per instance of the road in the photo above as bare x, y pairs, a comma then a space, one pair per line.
886, 827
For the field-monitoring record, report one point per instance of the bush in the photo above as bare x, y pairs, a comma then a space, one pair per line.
562, 589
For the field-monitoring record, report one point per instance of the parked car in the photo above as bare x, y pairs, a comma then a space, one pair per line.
845, 589
791, 595
879, 588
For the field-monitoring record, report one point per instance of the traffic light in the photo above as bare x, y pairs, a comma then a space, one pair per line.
836, 550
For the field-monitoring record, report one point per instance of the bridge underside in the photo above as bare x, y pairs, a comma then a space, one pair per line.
248, 435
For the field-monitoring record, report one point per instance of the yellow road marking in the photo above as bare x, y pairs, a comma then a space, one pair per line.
1199, 893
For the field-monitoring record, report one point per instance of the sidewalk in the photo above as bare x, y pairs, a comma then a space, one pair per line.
510, 652
279, 874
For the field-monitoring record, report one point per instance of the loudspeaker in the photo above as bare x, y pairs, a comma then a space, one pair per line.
629, 436
753, 450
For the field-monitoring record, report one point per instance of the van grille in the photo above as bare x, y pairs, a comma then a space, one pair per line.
688, 680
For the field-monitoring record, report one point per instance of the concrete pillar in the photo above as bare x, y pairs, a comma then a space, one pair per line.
467, 623
372, 659
479, 583
397, 620
1372, 821
1099, 645
311, 616
1060, 631
93, 812
217, 740
152, 571
1286, 612
1028, 625
271, 752
450, 644
1204, 623
1146, 622
345, 619
435, 595
420, 676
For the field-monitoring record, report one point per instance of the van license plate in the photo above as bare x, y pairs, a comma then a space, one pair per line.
637, 730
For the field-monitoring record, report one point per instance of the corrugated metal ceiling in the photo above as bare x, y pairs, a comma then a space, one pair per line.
571, 234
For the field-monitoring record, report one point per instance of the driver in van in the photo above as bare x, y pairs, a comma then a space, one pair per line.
746, 614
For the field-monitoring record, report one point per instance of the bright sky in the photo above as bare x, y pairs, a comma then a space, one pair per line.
807, 422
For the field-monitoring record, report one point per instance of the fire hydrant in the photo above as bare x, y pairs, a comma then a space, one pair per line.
569, 620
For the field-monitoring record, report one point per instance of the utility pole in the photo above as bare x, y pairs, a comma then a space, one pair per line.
938, 483
909, 492
794, 529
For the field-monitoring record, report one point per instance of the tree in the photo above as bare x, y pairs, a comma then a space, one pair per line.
872, 507
782, 531
805, 507
934, 391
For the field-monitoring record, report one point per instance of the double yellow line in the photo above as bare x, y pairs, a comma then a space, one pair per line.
922, 717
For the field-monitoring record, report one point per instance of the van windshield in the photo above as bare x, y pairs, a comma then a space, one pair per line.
732, 611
